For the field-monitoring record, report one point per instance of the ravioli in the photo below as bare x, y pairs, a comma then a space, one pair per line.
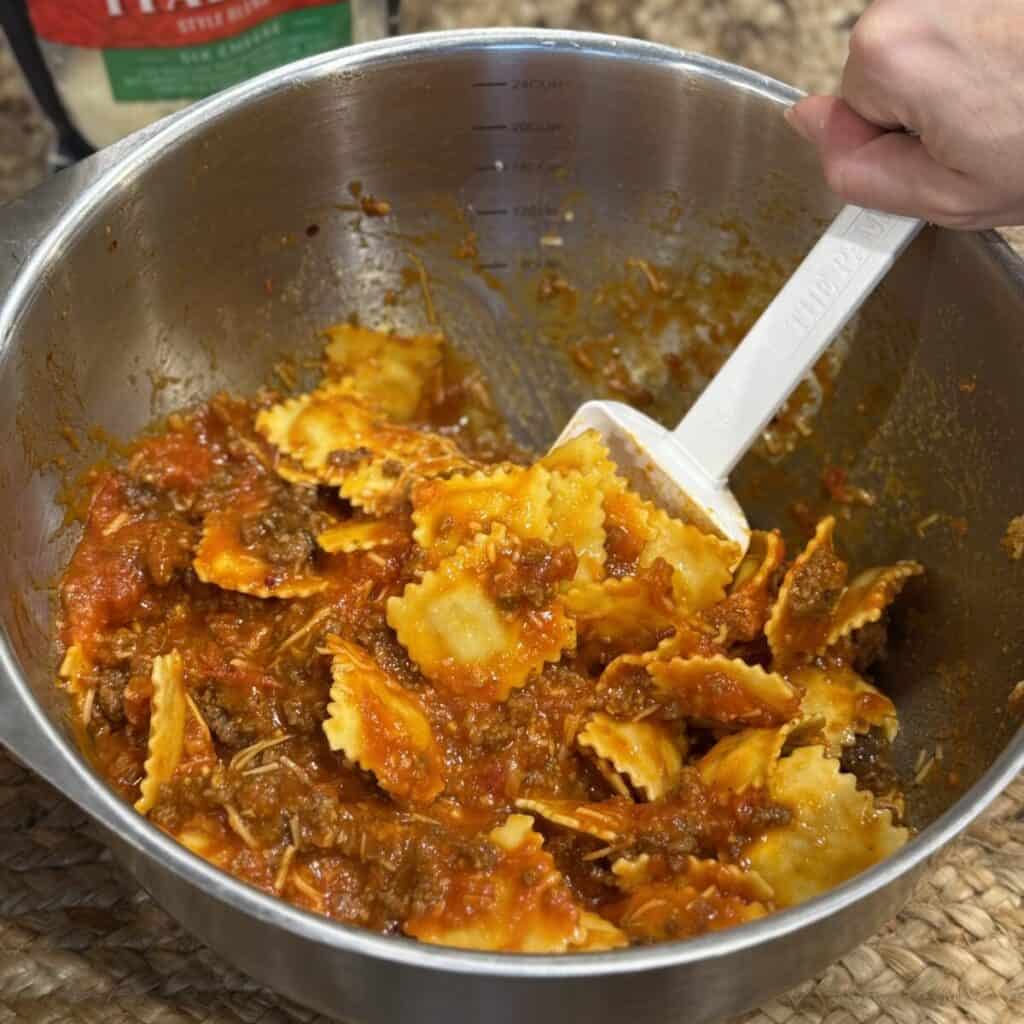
577, 519
364, 535
466, 638
701, 563
706, 896
599, 934
835, 831
802, 615
75, 668
390, 372
632, 873
646, 754
609, 820
291, 470
585, 453
449, 513
867, 597
381, 726
337, 437
167, 723
382, 483
639, 534
724, 691
748, 759
521, 905
323, 431
620, 615
848, 705
223, 560
762, 561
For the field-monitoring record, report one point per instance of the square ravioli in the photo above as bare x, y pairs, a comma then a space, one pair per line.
835, 830
647, 756
390, 372
449, 513
381, 726
487, 618
261, 546
521, 904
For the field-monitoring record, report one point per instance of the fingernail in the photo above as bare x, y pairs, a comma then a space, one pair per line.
797, 123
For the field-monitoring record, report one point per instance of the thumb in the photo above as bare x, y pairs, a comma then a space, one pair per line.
884, 170
831, 125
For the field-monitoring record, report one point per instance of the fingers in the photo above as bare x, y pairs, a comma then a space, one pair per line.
885, 170
883, 53
831, 125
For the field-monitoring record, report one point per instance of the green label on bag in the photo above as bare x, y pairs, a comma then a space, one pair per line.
192, 72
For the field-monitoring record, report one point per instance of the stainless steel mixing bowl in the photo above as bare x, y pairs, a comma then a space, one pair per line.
179, 262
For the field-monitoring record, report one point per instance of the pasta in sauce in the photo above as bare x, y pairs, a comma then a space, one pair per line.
347, 652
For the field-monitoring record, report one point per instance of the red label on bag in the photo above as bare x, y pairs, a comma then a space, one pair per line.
144, 24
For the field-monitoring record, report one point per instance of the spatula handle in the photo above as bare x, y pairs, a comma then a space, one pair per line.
835, 278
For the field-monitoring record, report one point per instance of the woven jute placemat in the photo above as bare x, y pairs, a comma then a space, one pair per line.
79, 941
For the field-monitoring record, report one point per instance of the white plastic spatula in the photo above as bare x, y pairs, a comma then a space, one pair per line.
686, 470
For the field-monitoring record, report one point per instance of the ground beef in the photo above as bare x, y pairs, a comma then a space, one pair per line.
530, 574
140, 494
302, 716
110, 693
498, 734
263, 802
168, 550
319, 820
869, 758
627, 693
347, 458
742, 615
592, 879
284, 533
817, 584
228, 726
389, 653
869, 644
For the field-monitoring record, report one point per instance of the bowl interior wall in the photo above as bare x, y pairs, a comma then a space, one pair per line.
201, 269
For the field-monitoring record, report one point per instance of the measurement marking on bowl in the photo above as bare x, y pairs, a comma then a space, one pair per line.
536, 127
524, 132
535, 210
525, 83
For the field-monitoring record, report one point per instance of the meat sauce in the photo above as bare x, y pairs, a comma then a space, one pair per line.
274, 805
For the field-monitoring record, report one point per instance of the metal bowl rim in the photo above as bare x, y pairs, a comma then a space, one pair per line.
146, 839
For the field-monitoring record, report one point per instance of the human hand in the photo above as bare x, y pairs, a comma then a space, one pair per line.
950, 73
